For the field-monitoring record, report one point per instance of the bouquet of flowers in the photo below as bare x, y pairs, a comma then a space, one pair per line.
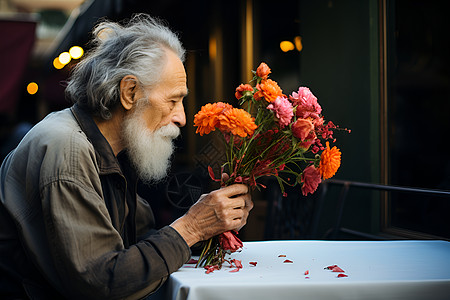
272, 134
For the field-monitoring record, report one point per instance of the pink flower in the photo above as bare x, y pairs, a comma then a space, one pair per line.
283, 110
310, 179
306, 102
229, 241
302, 128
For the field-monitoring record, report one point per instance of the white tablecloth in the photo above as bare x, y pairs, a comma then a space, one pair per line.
376, 270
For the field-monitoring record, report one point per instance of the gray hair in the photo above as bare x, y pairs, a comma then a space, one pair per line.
135, 48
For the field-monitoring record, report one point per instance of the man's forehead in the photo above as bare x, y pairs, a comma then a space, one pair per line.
181, 93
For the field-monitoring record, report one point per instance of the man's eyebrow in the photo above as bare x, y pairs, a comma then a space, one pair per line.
182, 94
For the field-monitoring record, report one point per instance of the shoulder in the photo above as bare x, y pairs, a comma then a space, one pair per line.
57, 146
54, 150
57, 131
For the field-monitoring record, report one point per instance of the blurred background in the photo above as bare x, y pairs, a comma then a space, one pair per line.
378, 67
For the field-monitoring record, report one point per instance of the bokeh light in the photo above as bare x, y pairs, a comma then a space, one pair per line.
57, 64
298, 43
65, 58
76, 52
32, 88
286, 46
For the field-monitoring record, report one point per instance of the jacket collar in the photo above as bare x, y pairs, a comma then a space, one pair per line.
106, 159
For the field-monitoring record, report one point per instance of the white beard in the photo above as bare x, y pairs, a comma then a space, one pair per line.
149, 152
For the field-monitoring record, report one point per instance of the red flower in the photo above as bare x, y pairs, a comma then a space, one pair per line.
309, 140
242, 89
310, 179
302, 128
229, 241
263, 71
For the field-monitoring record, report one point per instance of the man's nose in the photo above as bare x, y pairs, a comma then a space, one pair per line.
179, 116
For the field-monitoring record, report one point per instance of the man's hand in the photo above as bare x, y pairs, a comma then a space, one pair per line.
219, 211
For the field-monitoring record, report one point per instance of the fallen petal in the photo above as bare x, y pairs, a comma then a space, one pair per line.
330, 267
238, 263
337, 269
253, 263
342, 275
282, 255
306, 272
288, 261
210, 269
237, 270
192, 261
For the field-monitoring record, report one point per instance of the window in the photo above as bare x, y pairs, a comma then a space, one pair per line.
418, 107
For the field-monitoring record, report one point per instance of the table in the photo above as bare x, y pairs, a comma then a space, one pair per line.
375, 269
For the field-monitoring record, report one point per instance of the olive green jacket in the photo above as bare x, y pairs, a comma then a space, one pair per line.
71, 223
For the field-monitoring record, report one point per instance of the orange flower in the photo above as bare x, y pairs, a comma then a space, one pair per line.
207, 118
330, 161
241, 89
268, 89
263, 71
237, 121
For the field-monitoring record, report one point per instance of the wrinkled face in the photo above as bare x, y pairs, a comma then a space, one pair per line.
166, 99
150, 127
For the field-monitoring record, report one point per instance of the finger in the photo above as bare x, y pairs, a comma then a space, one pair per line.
235, 203
243, 221
231, 217
234, 190
249, 205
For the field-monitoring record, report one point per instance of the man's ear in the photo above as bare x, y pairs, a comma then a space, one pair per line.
128, 90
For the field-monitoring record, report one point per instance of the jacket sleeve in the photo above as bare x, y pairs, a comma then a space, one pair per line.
87, 250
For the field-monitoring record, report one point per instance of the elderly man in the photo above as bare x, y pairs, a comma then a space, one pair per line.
71, 223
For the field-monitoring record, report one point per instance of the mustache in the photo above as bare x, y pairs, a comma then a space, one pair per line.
169, 131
